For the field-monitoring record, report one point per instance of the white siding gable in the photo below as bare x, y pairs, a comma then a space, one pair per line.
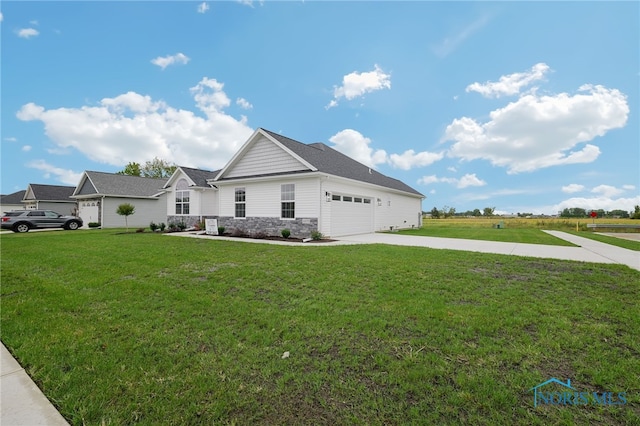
263, 158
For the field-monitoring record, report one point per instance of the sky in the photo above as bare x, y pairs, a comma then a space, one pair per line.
520, 106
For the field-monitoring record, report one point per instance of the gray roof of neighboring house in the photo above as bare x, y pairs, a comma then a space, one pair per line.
328, 160
15, 198
125, 185
52, 192
198, 176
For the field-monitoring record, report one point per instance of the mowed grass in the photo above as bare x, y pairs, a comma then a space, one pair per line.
153, 329
519, 230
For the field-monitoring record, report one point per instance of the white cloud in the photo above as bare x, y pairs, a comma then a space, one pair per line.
203, 7
410, 159
452, 169
509, 84
26, 148
63, 175
358, 84
249, 2
607, 191
628, 187
165, 61
27, 32
571, 188
535, 131
451, 43
10, 139
1, 17
34, 22
463, 182
134, 127
352, 143
243, 103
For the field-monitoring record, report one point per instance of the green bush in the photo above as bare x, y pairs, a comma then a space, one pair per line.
316, 235
285, 233
93, 224
162, 226
153, 226
221, 230
182, 226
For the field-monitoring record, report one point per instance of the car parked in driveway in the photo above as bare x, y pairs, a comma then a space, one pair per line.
24, 220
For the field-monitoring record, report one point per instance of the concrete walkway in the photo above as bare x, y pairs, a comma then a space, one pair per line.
21, 401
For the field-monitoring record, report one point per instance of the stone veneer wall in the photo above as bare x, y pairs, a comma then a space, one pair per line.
300, 228
188, 220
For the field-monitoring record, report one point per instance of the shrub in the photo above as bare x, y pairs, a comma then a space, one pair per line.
173, 227
260, 235
140, 230
162, 226
285, 233
182, 226
153, 226
316, 235
221, 230
94, 224
238, 232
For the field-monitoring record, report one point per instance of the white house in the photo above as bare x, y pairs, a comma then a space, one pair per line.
99, 194
190, 198
274, 182
50, 197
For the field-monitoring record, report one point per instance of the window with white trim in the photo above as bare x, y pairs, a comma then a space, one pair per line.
288, 201
241, 203
182, 197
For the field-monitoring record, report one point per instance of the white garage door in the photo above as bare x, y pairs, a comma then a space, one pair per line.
88, 211
351, 214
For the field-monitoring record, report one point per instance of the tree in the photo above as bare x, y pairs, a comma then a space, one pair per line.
476, 212
126, 210
156, 168
448, 211
488, 211
131, 169
636, 213
435, 213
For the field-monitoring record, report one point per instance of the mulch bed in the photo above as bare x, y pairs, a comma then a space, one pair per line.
272, 238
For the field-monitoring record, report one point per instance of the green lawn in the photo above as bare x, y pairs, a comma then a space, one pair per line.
152, 329
620, 242
509, 235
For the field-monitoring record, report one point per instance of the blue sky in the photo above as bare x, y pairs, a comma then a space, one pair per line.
521, 106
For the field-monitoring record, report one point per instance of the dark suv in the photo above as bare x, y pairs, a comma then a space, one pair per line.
23, 220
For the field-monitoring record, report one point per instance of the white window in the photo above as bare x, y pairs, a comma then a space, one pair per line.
241, 202
182, 197
288, 201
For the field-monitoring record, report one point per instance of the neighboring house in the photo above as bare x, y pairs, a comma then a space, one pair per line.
274, 182
50, 197
190, 199
12, 201
99, 194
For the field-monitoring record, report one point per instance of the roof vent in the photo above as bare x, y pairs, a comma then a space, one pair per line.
369, 170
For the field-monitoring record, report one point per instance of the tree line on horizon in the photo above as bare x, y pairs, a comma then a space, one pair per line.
573, 213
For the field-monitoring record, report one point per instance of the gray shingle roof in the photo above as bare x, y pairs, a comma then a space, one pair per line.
328, 160
52, 192
15, 198
198, 176
125, 185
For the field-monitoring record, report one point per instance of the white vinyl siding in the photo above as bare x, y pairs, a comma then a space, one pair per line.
264, 198
263, 158
146, 210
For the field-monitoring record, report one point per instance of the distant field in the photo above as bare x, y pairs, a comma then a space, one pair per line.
521, 230
546, 223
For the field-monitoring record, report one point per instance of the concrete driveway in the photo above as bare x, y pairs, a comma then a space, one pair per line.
589, 250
